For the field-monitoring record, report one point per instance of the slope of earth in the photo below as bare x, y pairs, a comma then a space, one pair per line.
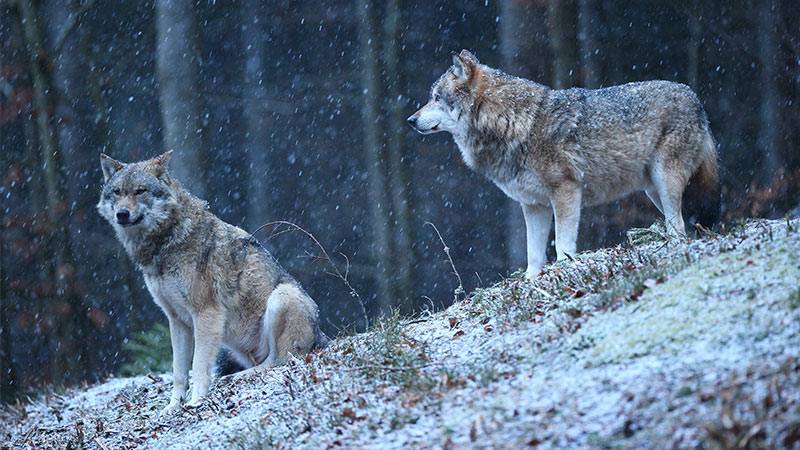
660, 344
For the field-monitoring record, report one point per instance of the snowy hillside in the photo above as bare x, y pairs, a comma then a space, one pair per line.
657, 345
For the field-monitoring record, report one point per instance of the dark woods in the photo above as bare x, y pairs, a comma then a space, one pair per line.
298, 114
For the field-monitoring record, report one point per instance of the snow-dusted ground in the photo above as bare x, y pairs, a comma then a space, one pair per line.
665, 344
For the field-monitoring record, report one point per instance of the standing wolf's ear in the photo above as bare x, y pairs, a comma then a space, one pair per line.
110, 166
160, 163
465, 64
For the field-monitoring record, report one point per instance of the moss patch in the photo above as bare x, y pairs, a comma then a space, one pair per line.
713, 299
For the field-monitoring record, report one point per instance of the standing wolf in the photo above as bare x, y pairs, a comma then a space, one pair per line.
215, 283
555, 151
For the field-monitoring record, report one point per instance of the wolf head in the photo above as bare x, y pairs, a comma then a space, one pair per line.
450, 95
137, 197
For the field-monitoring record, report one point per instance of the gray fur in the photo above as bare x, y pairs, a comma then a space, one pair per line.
215, 283
564, 149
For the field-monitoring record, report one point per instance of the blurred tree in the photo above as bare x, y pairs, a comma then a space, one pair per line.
562, 23
375, 152
402, 231
68, 350
177, 67
589, 28
694, 44
67, 54
769, 135
8, 382
255, 36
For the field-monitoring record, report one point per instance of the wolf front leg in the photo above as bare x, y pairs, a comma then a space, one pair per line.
538, 221
181, 338
209, 325
567, 210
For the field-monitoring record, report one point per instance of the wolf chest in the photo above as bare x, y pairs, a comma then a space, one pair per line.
170, 293
526, 188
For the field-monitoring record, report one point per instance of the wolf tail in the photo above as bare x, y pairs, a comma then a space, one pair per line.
702, 197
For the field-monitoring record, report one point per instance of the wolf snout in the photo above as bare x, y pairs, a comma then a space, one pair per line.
412, 120
123, 216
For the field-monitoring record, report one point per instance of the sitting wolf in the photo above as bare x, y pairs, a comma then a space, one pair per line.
214, 282
555, 151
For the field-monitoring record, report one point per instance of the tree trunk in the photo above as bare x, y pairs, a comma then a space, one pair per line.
614, 33
8, 383
769, 111
589, 29
69, 351
589, 24
693, 47
8, 370
375, 152
562, 20
68, 62
255, 35
177, 70
402, 249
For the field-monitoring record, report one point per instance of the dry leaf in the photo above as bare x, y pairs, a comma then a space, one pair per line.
410, 400
349, 413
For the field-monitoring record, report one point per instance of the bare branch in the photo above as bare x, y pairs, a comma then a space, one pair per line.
325, 256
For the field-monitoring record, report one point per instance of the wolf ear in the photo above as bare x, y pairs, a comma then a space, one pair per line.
110, 166
465, 64
160, 163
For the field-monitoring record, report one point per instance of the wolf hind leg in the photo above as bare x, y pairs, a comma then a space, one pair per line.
285, 329
669, 185
567, 210
287, 326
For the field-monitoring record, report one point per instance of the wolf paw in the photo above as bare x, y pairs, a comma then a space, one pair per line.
194, 402
170, 409
532, 274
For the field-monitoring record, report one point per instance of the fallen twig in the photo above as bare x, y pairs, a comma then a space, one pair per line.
460, 289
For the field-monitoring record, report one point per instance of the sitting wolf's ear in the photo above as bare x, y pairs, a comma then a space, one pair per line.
161, 162
110, 166
465, 64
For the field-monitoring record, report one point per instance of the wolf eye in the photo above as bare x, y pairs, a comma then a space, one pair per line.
140, 191
436, 97
117, 191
